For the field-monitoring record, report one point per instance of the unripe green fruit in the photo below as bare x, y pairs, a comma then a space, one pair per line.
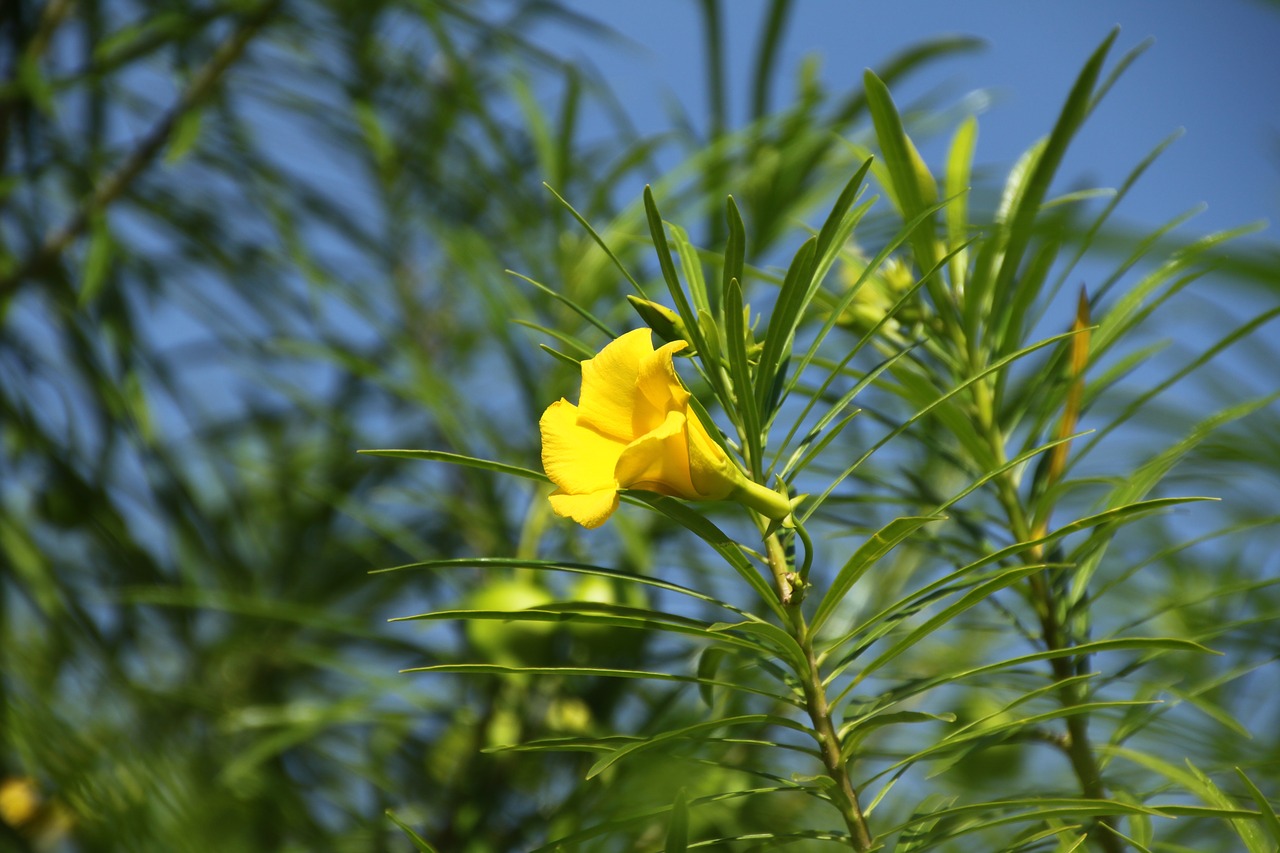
509, 642
998, 762
592, 589
597, 644
595, 589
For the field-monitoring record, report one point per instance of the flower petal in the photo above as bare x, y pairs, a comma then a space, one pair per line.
577, 459
608, 394
659, 461
590, 510
660, 389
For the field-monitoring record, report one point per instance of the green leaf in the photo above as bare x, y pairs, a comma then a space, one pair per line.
939, 401
502, 563
834, 371
783, 642
186, 133
600, 242
560, 356
646, 817
422, 845
735, 250
1145, 644
1033, 809
657, 233
691, 732
845, 301
910, 58
973, 597
1026, 209
881, 542
744, 396
692, 267
1269, 818
1087, 556
1202, 358
1137, 302
97, 260
590, 672
805, 452
573, 343
1121, 66
852, 733
573, 306
255, 606
535, 121
1018, 460
834, 228
959, 166
1007, 328
1150, 473
804, 277
1095, 227
914, 189
460, 459
919, 836
708, 665
970, 736
618, 616
1197, 783
782, 324
380, 144
727, 548
678, 828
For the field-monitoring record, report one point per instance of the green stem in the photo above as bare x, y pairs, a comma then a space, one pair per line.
1077, 745
762, 499
843, 795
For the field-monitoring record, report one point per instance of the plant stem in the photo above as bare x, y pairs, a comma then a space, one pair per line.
1077, 746
843, 795
115, 184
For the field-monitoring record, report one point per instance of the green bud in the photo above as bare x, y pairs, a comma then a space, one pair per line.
665, 323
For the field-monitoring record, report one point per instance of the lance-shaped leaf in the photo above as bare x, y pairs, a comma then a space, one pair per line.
881, 542
692, 732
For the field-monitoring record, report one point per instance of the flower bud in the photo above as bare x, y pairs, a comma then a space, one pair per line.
665, 323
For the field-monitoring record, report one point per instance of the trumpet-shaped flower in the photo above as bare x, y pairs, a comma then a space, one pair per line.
633, 429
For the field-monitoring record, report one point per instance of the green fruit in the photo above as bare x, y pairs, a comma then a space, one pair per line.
600, 644
514, 642
995, 762
596, 590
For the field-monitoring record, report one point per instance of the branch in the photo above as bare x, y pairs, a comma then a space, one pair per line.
56, 241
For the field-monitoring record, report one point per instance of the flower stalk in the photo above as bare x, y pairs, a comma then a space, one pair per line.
843, 795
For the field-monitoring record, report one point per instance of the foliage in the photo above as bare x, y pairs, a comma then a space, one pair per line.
1003, 618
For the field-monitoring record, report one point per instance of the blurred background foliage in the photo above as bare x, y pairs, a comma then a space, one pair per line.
240, 240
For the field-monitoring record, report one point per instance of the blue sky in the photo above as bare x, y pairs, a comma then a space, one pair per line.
1212, 71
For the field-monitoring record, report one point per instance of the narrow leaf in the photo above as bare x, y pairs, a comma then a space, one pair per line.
692, 731
460, 459
678, 828
736, 247
422, 845
913, 186
599, 241
744, 396
1269, 818
881, 542
727, 548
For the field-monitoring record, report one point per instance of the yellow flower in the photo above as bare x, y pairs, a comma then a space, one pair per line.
633, 429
